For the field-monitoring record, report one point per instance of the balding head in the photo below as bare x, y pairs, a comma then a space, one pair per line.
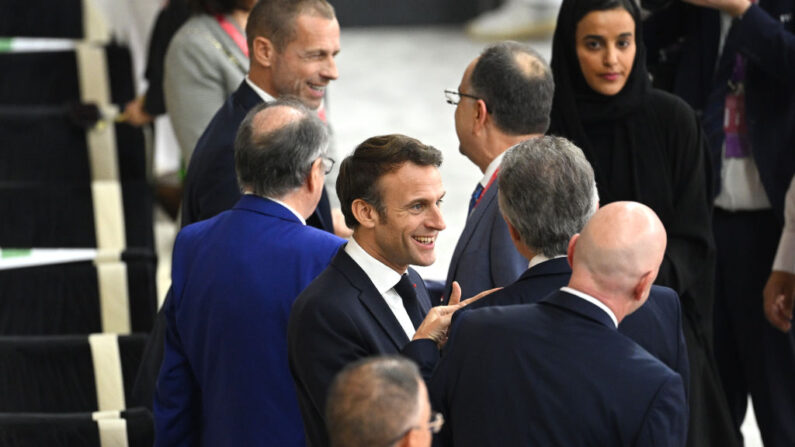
617, 256
516, 84
276, 146
375, 401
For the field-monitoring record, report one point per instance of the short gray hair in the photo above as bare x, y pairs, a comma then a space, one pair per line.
547, 192
373, 401
277, 161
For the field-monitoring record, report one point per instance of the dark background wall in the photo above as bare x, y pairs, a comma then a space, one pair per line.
408, 12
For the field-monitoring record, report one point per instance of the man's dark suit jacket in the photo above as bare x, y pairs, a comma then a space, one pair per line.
484, 256
211, 183
225, 379
339, 319
656, 326
554, 373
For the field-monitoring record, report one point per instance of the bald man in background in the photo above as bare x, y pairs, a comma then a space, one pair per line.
566, 375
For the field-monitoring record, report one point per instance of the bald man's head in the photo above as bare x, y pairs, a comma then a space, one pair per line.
618, 254
275, 147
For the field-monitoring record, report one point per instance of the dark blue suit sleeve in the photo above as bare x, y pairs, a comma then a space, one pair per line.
665, 423
768, 44
176, 407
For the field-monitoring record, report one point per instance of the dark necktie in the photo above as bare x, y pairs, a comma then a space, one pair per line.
405, 289
475, 196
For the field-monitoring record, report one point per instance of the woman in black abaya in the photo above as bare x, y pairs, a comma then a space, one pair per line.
645, 145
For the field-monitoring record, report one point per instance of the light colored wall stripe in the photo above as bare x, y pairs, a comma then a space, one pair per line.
114, 299
107, 371
112, 432
95, 28
97, 415
108, 215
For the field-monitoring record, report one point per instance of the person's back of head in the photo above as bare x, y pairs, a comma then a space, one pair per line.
617, 256
275, 19
378, 401
517, 86
547, 193
276, 147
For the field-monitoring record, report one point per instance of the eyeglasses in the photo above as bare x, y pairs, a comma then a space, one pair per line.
434, 425
328, 164
454, 97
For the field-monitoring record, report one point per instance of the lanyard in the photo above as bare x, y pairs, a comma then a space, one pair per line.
232, 31
488, 185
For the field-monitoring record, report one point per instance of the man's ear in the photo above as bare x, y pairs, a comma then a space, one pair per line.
315, 178
515, 236
263, 51
481, 114
570, 250
365, 213
643, 285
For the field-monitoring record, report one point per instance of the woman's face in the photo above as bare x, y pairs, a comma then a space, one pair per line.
605, 43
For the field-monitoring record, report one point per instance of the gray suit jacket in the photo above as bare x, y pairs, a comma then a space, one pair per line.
203, 67
485, 256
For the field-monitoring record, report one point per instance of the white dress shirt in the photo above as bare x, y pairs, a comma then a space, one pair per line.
593, 301
384, 279
490, 169
262, 93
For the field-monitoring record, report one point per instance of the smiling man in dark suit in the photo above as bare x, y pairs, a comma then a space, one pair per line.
369, 301
557, 372
292, 46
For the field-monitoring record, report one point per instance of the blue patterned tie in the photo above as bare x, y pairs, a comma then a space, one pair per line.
475, 196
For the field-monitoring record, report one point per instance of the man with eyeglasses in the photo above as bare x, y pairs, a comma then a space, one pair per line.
380, 401
504, 98
225, 378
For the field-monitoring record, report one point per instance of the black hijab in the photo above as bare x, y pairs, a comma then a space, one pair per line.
577, 109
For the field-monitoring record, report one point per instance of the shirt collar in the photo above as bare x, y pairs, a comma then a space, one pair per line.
538, 259
491, 169
262, 93
289, 208
382, 276
593, 301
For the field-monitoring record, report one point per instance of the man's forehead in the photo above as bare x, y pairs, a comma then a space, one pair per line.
411, 181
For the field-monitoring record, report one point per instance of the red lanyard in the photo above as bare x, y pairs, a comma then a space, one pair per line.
488, 185
233, 32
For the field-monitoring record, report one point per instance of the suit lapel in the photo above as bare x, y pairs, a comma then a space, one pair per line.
371, 299
422, 293
473, 221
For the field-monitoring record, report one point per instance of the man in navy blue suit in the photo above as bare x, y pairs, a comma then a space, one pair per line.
225, 378
547, 194
504, 97
369, 301
292, 49
292, 46
558, 372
